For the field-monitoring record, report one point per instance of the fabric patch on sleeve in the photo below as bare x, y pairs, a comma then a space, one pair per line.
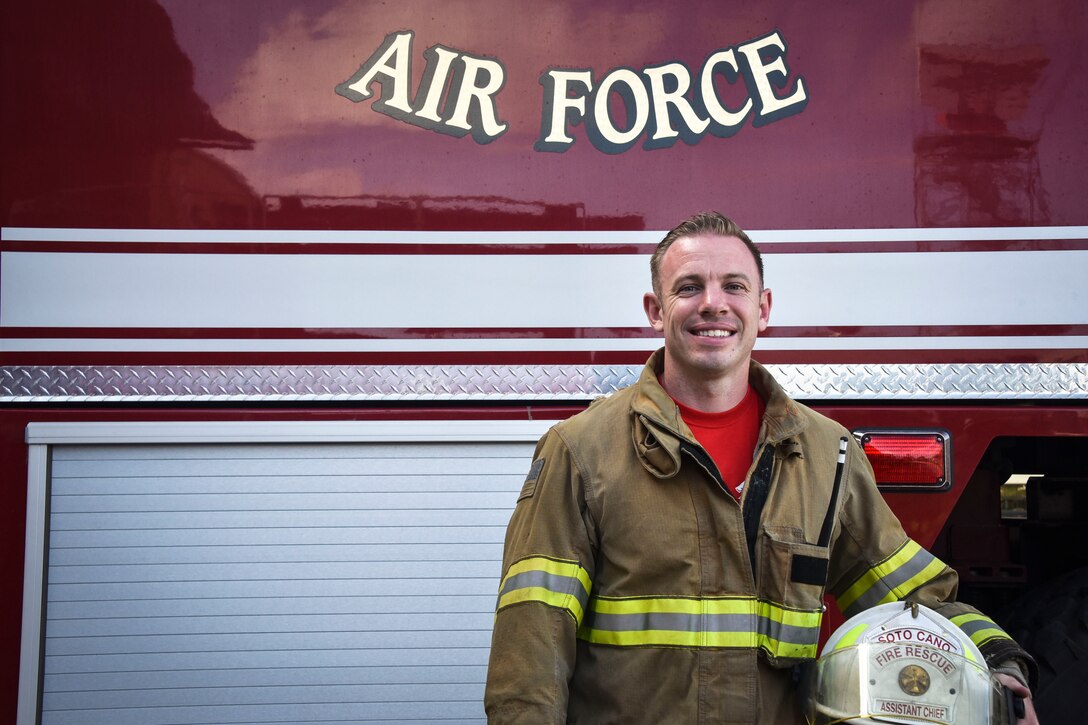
529, 488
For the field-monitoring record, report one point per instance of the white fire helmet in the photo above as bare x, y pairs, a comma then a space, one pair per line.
901, 663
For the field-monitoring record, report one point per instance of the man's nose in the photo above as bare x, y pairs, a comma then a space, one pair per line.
713, 301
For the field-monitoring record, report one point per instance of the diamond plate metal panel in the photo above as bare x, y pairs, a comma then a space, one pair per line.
149, 384
935, 382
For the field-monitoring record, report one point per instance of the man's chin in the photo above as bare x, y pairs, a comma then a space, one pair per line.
717, 364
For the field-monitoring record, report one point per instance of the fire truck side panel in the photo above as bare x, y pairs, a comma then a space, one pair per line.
219, 221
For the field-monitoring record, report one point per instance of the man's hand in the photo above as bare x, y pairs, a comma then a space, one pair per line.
1017, 688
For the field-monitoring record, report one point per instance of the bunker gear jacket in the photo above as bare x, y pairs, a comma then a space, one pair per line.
636, 589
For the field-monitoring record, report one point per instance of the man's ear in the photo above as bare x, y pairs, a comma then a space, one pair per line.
764, 308
653, 311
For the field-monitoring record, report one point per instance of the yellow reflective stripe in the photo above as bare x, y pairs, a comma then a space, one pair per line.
555, 582
790, 617
544, 596
672, 605
932, 570
851, 637
799, 620
788, 649
670, 637
891, 579
878, 572
738, 622
979, 628
713, 605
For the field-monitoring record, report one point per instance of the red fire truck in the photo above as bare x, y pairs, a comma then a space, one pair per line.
289, 289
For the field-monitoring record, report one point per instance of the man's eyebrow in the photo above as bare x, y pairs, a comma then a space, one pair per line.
687, 279
698, 277
738, 276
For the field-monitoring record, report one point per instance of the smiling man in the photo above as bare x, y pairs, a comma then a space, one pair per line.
672, 545
710, 302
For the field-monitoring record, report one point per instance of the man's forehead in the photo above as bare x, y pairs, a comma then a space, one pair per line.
709, 253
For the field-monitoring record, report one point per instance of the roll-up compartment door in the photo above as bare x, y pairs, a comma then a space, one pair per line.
271, 583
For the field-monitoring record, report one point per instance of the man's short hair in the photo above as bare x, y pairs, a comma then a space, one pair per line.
709, 222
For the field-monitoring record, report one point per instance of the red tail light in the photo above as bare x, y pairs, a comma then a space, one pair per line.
908, 459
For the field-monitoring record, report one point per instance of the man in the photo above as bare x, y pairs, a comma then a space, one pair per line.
668, 556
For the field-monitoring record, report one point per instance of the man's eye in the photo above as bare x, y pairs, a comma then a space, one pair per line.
734, 287
687, 289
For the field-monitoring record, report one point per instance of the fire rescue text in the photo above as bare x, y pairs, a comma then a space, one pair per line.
660, 104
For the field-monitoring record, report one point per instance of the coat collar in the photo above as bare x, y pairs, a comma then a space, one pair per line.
659, 431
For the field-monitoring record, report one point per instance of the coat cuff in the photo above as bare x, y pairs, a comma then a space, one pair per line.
1003, 654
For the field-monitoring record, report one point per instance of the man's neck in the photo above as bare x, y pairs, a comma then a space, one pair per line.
713, 395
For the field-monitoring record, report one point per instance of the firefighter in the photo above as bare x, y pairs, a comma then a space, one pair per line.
671, 546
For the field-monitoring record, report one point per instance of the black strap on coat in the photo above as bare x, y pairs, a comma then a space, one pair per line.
829, 517
754, 500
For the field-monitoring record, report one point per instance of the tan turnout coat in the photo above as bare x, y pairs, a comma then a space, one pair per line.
637, 590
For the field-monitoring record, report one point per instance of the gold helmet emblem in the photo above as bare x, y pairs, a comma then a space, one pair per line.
914, 680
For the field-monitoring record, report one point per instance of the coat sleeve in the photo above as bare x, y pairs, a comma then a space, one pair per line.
547, 576
874, 562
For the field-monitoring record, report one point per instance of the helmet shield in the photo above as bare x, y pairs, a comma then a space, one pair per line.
899, 664
900, 683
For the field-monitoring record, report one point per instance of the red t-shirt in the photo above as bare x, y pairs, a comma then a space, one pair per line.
729, 437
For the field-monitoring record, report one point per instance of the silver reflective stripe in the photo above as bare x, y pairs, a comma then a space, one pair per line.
787, 633
891, 581
673, 622
565, 585
972, 627
696, 623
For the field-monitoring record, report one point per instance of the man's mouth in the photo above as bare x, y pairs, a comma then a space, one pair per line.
715, 333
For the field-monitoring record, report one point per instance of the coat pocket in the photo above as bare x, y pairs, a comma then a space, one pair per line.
793, 573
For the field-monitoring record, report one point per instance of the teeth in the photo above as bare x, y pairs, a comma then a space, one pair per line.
714, 333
